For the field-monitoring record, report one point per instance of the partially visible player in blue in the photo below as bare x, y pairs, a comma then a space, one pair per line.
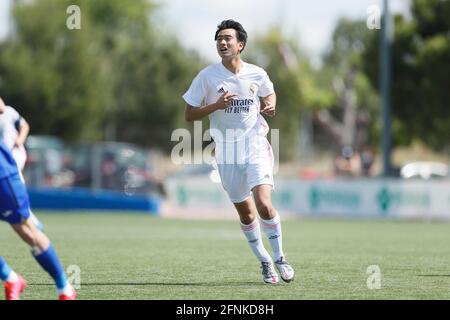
14, 130
15, 209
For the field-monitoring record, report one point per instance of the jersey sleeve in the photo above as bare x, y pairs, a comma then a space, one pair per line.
196, 93
266, 86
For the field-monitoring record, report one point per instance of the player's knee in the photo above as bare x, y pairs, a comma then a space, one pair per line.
247, 217
266, 210
27, 234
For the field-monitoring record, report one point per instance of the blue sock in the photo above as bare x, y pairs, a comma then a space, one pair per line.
49, 261
5, 270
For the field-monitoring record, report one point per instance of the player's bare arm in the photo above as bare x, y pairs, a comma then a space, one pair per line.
269, 105
23, 134
192, 113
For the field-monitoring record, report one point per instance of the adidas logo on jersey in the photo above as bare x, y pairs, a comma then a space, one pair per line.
221, 90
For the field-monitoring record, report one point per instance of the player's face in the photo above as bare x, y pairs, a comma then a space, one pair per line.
227, 44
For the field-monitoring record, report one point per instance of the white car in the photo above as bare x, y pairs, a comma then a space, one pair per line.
425, 170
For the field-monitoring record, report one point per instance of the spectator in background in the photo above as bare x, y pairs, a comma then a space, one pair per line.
367, 159
347, 163
109, 172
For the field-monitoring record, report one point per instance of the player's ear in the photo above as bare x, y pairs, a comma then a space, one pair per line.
241, 45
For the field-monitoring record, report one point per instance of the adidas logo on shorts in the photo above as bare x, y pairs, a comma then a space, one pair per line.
7, 213
221, 90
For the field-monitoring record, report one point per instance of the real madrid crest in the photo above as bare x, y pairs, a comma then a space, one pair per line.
253, 88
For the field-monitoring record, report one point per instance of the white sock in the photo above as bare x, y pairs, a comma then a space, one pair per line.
253, 234
67, 290
272, 229
12, 277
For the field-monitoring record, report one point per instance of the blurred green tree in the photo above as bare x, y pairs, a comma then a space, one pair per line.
352, 117
118, 77
420, 74
53, 75
294, 83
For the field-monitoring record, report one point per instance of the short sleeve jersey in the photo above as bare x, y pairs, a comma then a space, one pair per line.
10, 120
243, 116
8, 166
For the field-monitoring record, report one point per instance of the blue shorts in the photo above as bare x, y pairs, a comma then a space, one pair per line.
14, 201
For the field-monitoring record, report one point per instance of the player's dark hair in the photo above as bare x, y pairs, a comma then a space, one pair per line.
231, 24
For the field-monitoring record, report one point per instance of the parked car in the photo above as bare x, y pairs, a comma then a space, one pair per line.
117, 166
46, 162
198, 170
425, 170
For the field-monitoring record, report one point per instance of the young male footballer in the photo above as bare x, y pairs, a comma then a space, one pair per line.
15, 209
229, 93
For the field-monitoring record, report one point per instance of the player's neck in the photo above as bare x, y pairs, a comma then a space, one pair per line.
233, 65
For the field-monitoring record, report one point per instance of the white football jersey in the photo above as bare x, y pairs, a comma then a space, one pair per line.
243, 116
10, 121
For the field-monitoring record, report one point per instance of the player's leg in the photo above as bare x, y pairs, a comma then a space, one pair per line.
36, 221
270, 219
235, 184
251, 229
45, 254
259, 173
6, 273
13, 284
15, 202
271, 224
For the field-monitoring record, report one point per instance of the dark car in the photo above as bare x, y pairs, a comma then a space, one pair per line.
46, 163
118, 166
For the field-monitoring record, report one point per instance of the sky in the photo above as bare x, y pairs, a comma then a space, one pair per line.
310, 21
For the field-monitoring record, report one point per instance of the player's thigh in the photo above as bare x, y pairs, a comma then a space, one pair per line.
263, 200
14, 201
259, 169
262, 194
259, 174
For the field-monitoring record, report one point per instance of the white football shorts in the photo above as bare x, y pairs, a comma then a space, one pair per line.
243, 165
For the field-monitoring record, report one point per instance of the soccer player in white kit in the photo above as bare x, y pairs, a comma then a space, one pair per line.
14, 131
229, 93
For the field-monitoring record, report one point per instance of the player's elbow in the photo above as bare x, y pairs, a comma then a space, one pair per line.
26, 126
188, 117
189, 114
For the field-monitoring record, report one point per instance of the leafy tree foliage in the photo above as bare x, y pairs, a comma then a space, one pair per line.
118, 77
294, 84
420, 74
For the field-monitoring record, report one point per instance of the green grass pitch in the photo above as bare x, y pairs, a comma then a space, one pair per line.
133, 256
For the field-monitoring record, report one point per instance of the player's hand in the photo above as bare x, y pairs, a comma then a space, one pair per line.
269, 109
225, 100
